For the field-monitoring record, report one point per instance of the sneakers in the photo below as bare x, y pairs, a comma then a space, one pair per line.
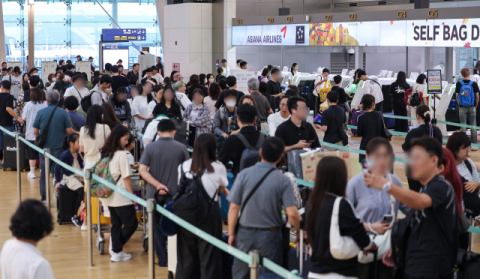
121, 256
44, 202
110, 248
77, 222
32, 175
84, 228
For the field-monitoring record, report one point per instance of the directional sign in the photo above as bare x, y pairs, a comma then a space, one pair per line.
129, 34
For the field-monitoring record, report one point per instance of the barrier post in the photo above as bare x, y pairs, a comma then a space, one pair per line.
88, 208
151, 248
47, 177
19, 177
254, 266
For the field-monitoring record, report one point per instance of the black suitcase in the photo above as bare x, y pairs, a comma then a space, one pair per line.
66, 200
10, 153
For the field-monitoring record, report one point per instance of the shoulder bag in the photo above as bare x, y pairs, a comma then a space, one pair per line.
388, 135
248, 198
42, 137
383, 241
341, 247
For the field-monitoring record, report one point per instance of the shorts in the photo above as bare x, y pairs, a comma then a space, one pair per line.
30, 153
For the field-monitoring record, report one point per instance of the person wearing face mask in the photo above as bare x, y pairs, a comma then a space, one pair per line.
225, 119
119, 102
198, 117
34, 72
210, 80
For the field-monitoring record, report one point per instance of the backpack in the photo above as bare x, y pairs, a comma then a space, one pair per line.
406, 96
87, 101
102, 169
415, 99
251, 154
466, 98
191, 202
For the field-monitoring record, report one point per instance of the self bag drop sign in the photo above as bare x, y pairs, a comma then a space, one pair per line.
440, 33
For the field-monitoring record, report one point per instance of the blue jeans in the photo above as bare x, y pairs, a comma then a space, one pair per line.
160, 242
471, 113
2, 134
55, 152
268, 244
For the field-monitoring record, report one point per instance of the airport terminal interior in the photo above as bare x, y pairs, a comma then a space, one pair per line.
438, 40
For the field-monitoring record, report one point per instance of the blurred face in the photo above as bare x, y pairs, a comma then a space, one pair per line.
124, 141
158, 59
133, 92
168, 95
247, 101
136, 68
224, 64
79, 82
211, 79
25, 77
120, 70
121, 97
108, 90
382, 159
230, 101
147, 88
364, 77
301, 111
58, 76
197, 98
295, 68
244, 66
149, 74
325, 74
283, 105
462, 153
421, 163
276, 76
159, 94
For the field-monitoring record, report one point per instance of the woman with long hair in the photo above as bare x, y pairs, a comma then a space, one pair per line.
209, 101
168, 105
36, 103
397, 90
425, 128
158, 90
198, 116
93, 135
328, 188
109, 116
210, 80
195, 83
121, 106
421, 87
122, 209
293, 73
203, 80
371, 205
196, 257
72, 157
265, 74
140, 105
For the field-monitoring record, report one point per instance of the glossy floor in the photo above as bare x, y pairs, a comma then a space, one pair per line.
66, 247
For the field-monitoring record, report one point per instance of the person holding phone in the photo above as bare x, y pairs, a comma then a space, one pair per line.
374, 208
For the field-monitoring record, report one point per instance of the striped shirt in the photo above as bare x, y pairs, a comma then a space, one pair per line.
466, 174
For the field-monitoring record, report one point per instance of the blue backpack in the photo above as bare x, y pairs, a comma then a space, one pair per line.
466, 97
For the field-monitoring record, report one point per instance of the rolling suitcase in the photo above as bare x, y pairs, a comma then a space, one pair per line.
355, 115
389, 122
66, 200
10, 153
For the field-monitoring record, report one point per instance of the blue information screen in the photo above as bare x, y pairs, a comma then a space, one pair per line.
128, 34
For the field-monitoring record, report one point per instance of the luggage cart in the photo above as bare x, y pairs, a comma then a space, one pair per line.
100, 241
139, 188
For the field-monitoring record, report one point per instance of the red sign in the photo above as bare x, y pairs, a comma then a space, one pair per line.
176, 67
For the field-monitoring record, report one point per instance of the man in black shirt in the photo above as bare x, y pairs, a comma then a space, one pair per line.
160, 65
34, 82
332, 121
7, 113
296, 133
431, 248
136, 68
273, 87
233, 147
117, 80
149, 77
232, 84
342, 96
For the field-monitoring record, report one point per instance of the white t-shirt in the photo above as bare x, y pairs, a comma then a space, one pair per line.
22, 260
119, 166
291, 77
76, 92
211, 105
183, 99
16, 81
92, 147
274, 120
151, 129
158, 77
29, 113
151, 106
211, 181
140, 106
372, 86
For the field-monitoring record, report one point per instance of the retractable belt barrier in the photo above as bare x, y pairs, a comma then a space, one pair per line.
248, 259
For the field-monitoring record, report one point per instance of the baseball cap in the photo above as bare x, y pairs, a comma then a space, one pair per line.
224, 60
326, 70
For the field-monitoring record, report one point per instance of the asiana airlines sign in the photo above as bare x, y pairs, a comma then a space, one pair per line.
430, 33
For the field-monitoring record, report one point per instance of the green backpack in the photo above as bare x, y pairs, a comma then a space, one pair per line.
101, 168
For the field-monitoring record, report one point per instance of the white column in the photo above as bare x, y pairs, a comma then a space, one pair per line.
425, 59
449, 64
3, 54
160, 5
31, 37
229, 51
359, 57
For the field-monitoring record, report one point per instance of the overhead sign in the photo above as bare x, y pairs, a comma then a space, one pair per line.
129, 34
427, 33
242, 78
48, 67
434, 81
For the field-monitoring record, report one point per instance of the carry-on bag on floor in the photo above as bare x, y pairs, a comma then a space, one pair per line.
172, 256
468, 263
10, 153
298, 259
389, 122
66, 200
355, 115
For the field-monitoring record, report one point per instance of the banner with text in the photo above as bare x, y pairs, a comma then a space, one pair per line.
433, 33
242, 78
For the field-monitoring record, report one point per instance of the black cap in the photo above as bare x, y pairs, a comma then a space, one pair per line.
90, 58
361, 73
224, 60
325, 70
78, 56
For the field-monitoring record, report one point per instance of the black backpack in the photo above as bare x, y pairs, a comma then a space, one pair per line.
251, 154
191, 202
415, 99
87, 101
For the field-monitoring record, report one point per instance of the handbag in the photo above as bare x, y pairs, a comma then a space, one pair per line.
388, 135
42, 137
341, 247
383, 241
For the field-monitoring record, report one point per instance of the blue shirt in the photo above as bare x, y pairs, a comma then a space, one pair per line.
58, 126
77, 118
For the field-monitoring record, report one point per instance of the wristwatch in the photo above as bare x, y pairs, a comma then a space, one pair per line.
387, 186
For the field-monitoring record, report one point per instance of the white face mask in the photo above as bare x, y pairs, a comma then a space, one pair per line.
230, 103
67, 78
35, 74
211, 80
54, 79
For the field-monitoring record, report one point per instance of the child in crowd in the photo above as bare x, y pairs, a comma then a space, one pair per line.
72, 157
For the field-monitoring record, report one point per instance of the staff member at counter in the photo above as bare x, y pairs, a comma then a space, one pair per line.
293, 73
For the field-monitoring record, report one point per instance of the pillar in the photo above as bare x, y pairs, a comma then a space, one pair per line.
160, 5
449, 64
3, 54
31, 37
359, 57
223, 13
425, 59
